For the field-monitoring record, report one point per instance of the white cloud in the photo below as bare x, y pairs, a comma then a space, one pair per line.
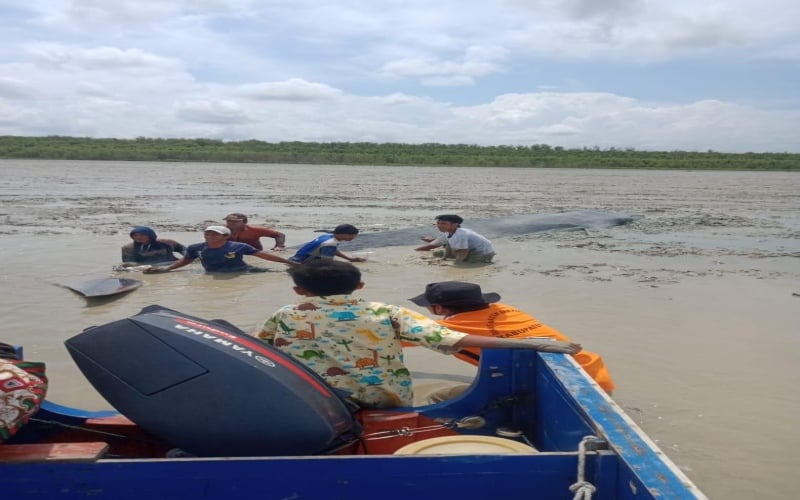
13, 88
216, 112
100, 59
477, 61
617, 73
294, 89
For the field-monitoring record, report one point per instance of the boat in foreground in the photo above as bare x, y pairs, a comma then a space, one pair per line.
205, 411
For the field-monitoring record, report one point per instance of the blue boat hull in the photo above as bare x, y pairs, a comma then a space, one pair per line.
547, 396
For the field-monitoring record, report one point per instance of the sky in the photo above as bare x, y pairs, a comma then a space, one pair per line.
644, 74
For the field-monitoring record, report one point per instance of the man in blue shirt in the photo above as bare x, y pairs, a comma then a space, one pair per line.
327, 246
218, 255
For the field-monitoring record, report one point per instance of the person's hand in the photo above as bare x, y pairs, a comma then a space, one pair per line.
549, 345
156, 270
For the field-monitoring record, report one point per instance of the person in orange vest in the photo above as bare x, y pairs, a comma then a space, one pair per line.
467, 309
353, 344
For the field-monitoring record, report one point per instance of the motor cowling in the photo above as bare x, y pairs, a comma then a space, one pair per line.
209, 388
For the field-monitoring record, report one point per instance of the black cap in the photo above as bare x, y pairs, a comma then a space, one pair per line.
454, 292
450, 218
345, 229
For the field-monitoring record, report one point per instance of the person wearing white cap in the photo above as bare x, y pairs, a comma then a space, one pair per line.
218, 255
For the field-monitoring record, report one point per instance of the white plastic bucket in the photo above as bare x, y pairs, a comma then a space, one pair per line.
465, 445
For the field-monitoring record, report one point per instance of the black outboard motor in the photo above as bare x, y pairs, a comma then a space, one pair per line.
209, 388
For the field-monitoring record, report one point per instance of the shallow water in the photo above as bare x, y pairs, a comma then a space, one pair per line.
691, 305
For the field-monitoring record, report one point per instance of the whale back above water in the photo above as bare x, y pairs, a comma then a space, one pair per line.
498, 227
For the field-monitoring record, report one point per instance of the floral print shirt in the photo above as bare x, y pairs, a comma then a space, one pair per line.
23, 386
355, 345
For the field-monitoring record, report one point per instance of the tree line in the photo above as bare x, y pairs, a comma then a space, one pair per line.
370, 153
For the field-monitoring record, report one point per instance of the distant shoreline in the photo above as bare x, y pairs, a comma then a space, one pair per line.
383, 154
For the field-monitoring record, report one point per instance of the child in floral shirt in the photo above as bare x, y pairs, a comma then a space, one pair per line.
355, 345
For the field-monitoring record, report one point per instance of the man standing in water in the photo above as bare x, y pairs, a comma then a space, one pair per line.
218, 255
243, 232
148, 248
461, 244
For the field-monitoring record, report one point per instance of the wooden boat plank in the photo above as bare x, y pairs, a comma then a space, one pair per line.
52, 452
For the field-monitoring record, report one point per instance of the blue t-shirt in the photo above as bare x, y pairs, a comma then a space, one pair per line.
225, 259
322, 247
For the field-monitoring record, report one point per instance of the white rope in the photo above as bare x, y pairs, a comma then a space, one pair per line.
471, 422
583, 489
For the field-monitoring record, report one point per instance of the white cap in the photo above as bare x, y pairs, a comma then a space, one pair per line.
219, 229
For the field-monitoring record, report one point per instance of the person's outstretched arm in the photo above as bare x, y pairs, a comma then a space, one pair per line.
349, 259
165, 269
537, 344
270, 256
432, 242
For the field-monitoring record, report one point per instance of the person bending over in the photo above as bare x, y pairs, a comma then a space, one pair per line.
461, 244
327, 246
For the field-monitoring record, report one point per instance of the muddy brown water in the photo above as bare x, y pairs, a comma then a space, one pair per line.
694, 305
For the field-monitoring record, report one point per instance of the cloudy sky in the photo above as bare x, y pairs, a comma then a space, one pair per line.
646, 74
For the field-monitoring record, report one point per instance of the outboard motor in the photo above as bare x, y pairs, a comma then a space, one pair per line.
209, 388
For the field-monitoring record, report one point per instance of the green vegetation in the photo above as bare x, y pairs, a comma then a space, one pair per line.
368, 153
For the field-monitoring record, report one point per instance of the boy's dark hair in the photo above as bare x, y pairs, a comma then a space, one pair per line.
326, 277
345, 229
236, 216
450, 218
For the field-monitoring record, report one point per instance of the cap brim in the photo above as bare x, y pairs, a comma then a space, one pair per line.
420, 300
488, 298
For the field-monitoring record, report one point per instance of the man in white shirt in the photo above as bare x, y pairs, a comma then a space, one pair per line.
461, 244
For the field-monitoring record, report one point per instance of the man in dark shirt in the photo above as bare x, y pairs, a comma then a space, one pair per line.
147, 248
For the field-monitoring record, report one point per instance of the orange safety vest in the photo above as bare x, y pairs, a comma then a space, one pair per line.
506, 322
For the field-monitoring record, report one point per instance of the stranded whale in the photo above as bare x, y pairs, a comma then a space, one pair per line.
498, 227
